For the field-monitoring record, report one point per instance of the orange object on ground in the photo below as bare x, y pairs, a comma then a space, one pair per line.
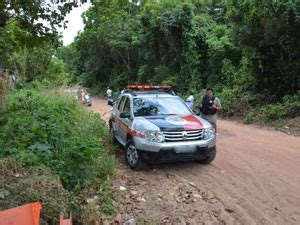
28, 214
63, 221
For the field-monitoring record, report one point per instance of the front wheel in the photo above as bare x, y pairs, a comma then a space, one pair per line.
133, 157
211, 156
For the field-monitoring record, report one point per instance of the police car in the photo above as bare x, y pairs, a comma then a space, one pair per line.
155, 125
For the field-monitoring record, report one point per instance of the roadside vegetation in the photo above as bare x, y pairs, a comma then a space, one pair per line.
247, 51
50, 129
59, 151
52, 149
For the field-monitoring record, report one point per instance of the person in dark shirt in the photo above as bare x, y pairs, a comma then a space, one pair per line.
209, 106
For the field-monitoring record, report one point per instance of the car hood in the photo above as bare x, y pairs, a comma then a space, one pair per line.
176, 122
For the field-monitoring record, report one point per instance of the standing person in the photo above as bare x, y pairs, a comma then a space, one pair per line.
109, 95
209, 106
190, 100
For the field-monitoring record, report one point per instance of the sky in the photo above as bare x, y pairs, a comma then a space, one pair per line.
75, 23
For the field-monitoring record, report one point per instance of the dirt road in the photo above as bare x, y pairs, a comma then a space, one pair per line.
255, 179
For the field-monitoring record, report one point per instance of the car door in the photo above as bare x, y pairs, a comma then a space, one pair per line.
116, 115
125, 122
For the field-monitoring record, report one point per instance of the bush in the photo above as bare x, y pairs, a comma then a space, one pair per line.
19, 185
250, 117
50, 129
229, 99
56, 74
288, 108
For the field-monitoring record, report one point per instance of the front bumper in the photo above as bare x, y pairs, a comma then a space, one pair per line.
180, 146
174, 151
170, 155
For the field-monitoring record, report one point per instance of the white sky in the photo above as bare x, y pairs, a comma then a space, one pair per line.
75, 23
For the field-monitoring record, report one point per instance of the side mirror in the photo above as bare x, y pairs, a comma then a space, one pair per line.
125, 115
110, 103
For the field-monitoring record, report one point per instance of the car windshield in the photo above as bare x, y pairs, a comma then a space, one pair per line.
159, 106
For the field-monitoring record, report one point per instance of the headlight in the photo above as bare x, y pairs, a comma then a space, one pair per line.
154, 136
208, 133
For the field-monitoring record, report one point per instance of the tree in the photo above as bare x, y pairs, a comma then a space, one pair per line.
40, 18
269, 31
249, 46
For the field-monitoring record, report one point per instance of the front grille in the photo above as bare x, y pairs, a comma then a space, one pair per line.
190, 135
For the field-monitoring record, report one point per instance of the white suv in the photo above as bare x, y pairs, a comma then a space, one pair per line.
155, 125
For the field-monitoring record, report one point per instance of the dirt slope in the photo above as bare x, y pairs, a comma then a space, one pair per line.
255, 179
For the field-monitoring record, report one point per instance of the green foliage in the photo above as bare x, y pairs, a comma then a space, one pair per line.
237, 76
56, 75
288, 108
247, 51
30, 13
21, 55
249, 117
32, 63
229, 99
109, 207
269, 30
47, 128
122, 47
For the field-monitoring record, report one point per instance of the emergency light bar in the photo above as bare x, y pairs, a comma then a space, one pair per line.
149, 87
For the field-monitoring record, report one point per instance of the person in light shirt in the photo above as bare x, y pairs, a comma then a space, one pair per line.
109, 95
109, 92
190, 100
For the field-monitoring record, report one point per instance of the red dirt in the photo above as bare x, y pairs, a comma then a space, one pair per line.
255, 179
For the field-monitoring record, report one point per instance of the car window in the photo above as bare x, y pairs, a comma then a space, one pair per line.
117, 102
153, 106
121, 103
127, 105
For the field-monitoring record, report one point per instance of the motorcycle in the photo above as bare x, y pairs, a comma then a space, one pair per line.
110, 101
87, 100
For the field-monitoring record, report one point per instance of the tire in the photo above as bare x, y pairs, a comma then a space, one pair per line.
211, 156
112, 132
133, 157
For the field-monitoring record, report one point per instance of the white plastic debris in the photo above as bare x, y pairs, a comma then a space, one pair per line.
122, 188
192, 184
197, 196
141, 199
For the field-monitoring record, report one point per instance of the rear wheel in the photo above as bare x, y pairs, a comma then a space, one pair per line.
133, 157
211, 156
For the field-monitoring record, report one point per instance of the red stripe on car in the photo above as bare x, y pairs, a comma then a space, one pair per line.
124, 126
135, 133
192, 123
